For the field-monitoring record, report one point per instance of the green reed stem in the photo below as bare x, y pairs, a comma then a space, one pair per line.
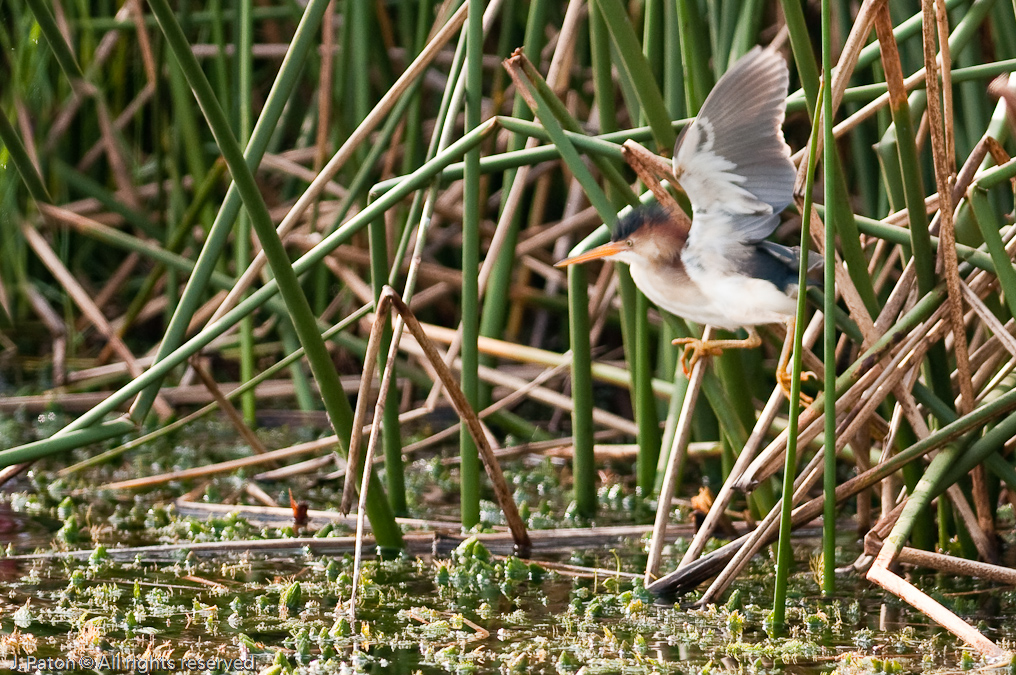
97, 433
784, 555
745, 36
241, 237
47, 24
304, 38
673, 71
469, 469
645, 404
391, 434
583, 462
22, 162
800, 43
636, 68
985, 449
340, 414
829, 324
694, 56
988, 224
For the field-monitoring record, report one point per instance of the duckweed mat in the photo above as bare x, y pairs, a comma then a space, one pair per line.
178, 605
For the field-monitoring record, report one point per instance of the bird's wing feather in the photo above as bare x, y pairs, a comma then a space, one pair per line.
733, 161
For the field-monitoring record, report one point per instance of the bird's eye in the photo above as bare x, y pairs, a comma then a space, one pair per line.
629, 243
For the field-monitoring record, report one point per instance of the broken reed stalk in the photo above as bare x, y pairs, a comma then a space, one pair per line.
370, 361
391, 300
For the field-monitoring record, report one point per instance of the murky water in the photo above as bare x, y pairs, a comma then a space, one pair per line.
188, 608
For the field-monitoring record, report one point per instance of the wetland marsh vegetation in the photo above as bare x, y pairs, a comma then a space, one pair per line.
245, 247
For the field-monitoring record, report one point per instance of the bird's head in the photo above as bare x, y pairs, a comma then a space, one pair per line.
644, 236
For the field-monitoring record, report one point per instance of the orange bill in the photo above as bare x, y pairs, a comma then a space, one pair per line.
605, 251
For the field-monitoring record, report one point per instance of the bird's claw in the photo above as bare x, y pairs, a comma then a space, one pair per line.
786, 379
694, 351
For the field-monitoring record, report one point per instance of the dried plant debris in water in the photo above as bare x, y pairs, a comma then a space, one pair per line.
466, 611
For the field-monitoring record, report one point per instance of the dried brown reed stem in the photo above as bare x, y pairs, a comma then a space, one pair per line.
283, 515
944, 176
84, 302
884, 577
55, 325
325, 82
119, 124
113, 285
224, 467
682, 435
448, 434
542, 394
391, 300
306, 466
174, 396
744, 458
946, 563
360, 414
12, 471
368, 465
226, 406
343, 154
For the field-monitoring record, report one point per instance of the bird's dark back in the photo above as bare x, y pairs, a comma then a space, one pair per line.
779, 264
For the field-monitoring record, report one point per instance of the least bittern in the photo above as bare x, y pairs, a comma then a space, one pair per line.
734, 165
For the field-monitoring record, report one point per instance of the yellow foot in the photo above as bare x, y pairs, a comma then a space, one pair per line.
785, 379
694, 351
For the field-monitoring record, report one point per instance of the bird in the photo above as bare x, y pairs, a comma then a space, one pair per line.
718, 268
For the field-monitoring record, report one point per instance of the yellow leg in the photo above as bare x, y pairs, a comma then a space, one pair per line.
697, 348
785, 378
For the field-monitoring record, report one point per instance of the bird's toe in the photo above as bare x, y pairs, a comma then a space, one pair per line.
786, 379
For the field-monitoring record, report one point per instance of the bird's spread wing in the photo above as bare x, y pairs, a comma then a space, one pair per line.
733, 161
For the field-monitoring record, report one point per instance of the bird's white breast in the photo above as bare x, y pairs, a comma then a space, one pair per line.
670, 289
744, 301
734, 301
